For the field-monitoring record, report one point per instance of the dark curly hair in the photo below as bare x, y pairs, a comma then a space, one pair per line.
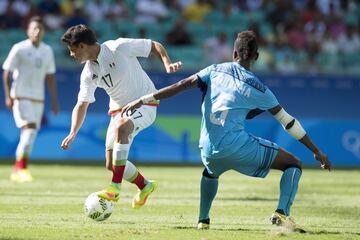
246, 45
37, 19
79, 34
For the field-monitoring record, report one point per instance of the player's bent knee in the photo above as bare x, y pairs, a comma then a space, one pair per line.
123, 127
207, 174
294, 166
285, 160
295, 162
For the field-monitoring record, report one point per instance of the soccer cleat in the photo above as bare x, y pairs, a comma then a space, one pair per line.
141, 196
21, 176
285, 221
203, 224
282, 220
111, 193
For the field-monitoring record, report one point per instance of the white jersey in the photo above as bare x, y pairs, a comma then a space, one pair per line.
118, 72
29, 65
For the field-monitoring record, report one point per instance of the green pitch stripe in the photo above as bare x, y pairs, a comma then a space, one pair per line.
177, 125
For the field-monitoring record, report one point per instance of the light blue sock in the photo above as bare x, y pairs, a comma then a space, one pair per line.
288, 187
208, 190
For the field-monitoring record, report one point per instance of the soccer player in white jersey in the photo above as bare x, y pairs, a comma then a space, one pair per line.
29, 63
114, 67
231, 94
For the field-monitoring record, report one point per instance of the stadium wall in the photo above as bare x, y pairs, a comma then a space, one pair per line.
326, 106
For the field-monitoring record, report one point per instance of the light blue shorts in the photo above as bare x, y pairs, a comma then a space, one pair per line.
253, 159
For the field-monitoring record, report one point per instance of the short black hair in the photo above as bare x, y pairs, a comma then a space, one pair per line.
79, 34
37, 19
246, 45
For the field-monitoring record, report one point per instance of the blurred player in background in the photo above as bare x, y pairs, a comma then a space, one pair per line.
231, 94
114, 67
29, 63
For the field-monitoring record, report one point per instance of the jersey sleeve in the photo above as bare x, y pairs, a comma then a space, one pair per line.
12, 60
266, 100
87, 89
204, 74
135, 47
51, 69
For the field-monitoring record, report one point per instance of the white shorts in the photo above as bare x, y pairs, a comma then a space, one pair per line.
26, 111
142, 118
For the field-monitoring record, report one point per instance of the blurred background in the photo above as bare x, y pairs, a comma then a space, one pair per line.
309, 57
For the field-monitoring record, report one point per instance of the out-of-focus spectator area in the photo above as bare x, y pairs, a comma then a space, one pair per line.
306, 36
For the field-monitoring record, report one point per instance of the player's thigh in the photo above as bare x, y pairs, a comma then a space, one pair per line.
142, 118
214, 166
27, 112
255, 158
284, 160
110, 135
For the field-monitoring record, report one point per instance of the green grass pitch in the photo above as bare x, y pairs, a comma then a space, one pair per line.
327, 206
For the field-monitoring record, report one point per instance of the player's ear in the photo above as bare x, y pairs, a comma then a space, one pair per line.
256, 56
235, 55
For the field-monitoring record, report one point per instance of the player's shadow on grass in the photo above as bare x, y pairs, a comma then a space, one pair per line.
247, 199
267, 230
332, 233
265, 199
223, 229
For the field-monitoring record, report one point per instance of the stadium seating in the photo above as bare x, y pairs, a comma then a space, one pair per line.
193, 57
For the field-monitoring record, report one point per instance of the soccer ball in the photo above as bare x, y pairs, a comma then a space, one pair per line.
97, 208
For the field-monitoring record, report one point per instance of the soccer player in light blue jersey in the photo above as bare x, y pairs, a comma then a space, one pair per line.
231, 94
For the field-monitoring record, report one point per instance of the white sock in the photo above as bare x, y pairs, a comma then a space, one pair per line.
120, 154
27, 138
130, 172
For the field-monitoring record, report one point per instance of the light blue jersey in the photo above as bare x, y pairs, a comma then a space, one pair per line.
231, 92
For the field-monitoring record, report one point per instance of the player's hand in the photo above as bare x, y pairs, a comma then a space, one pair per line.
9, 102
173, 67
67, 141
323, 159
130, 107
55, 108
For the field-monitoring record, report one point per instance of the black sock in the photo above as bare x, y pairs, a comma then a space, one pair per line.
280, 211
207, 221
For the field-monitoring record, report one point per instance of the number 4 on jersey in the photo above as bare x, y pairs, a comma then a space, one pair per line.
219, 105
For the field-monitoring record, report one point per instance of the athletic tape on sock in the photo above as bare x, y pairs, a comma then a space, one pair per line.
120, 154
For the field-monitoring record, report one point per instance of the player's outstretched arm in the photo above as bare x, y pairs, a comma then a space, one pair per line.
6, 81
53, 93
77, 119
163, 93
159, 50
294, 128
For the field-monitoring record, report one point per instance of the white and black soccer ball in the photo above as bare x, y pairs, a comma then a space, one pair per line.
97, 208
